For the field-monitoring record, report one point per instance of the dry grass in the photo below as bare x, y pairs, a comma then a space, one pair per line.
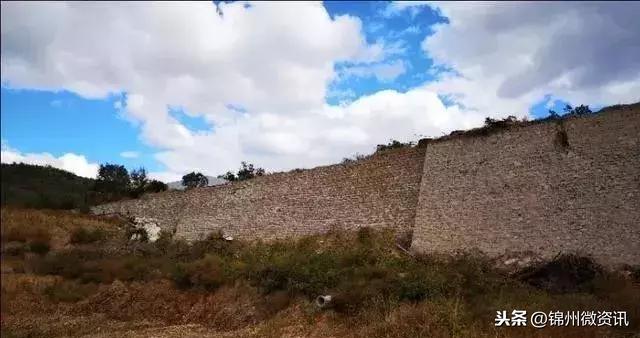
266, 290
53, 226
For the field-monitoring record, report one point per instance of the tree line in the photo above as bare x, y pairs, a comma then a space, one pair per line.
114, 182
247, 171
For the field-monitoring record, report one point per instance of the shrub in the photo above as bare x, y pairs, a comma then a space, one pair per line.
393, 144
156, 186
39, 247
412, 289
14, 248
129, 268
194, 180
68, 264
566, 273
276, 302
180, 276
95, 266
206, 273
24, 233
84, 236
635, 273
354, 159
247, 171
365, 235
68, 291
33, 238
579, 110
495, 124
351, 301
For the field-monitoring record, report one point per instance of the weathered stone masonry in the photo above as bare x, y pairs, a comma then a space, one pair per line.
543, 188
381, 191
522, 190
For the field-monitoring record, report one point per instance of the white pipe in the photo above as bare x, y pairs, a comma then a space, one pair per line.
323, 301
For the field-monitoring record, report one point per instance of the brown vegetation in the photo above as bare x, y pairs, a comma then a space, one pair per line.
224, 288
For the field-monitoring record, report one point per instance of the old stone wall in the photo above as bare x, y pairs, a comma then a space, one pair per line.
542, 188
166, 208
380, 192
532, 189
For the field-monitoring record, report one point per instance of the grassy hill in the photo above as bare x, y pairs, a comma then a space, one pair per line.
35, 186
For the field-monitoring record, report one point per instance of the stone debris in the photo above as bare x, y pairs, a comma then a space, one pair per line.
149, 225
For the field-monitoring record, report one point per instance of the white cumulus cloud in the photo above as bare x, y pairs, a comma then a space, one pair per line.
385, 71
259, 75
275, 60
507, 56
71, 162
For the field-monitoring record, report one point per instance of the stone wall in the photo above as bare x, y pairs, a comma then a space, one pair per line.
166, 208
524, 189
543, 188
380, 192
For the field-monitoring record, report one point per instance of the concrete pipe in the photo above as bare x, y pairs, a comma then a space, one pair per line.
323, 301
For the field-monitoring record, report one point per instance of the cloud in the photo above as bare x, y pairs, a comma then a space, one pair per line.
275, 60
508, 56
165, 177
414, 29
380, 51
321, 136
269, 56
71, 162
341, 94
384, 72
396, 8
130, 154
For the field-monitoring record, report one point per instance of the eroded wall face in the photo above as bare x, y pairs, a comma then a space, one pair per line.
542, 188
166, 208
525, 190
379, 192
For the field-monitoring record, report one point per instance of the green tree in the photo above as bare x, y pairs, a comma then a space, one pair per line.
247, 171
139, 182
579, 110
113, 180
193, 179
582, 110
229, 176
156, 186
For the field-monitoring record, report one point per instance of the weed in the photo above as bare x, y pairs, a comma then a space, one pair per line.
206, 273
39, 247
83, 235
69, 291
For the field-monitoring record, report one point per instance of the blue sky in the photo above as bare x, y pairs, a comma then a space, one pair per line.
286, 86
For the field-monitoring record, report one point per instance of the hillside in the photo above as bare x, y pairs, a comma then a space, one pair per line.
35, 186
